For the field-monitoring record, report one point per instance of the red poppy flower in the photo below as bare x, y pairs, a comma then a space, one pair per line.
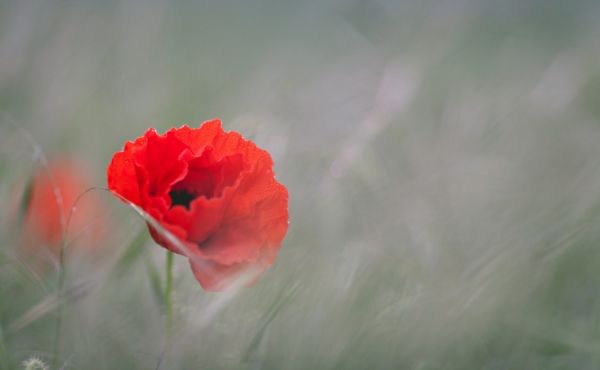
53, 191
213, 190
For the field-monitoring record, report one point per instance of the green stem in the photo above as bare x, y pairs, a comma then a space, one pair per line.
65, 221
169, 292
59, 297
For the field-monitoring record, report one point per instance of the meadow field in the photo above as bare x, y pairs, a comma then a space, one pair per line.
442, 160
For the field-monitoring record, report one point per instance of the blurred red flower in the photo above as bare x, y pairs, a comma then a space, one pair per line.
213, 190
52, 193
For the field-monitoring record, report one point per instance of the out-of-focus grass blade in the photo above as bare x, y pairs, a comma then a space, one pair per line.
282, 299
34, 313
24, 270
234, 286
155, 283
25, 200
48, 304
132, 252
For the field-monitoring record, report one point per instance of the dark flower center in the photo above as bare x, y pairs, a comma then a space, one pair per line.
181, 197
207, 177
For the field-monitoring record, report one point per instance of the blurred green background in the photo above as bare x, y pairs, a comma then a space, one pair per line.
442, 159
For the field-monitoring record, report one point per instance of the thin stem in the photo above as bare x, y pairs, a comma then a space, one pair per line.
62, 266
59, 295
169, 292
